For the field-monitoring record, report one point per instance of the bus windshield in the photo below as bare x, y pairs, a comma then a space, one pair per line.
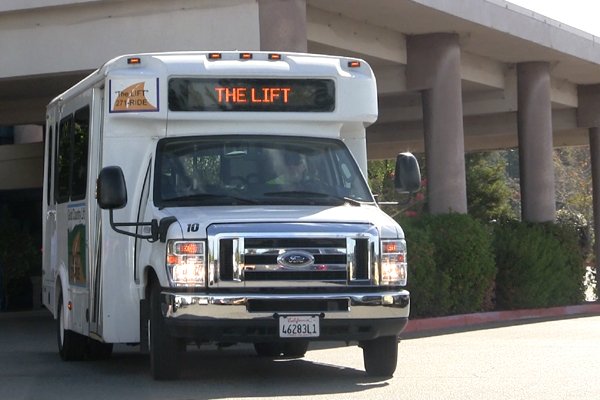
258, 169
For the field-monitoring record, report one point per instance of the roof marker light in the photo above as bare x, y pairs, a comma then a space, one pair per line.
353, 64
214, 56
274, 56
245, 56
134, 60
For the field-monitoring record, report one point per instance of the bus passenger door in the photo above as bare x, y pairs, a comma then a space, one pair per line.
49, 245
95, 226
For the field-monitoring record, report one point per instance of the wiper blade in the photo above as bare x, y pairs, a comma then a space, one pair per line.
212, 197
308, 194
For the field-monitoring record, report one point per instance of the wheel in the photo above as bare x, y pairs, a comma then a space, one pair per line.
71, 345
268, 349
164, 349
381, 356
295, 349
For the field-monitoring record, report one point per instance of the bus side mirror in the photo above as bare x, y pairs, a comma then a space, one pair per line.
407, 178
111, 191
111, 194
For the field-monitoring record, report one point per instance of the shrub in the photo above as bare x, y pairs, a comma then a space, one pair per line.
539, 265
428, 286
457, 269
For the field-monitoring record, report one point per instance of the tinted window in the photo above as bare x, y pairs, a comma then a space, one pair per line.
72, 156
226, 170
81, 129
63, 160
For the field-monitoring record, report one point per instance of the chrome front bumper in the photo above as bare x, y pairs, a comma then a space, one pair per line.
236, 307
255, 317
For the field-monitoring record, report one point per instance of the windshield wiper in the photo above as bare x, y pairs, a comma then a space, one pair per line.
308, 194
216, 197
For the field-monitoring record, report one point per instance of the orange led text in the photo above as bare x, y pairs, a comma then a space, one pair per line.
245, 95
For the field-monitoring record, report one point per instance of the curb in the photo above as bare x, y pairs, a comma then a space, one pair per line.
466, 320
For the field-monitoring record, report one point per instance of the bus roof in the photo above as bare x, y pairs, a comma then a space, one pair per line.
355, 87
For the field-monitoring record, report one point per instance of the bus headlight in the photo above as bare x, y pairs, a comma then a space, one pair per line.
393, 262
186, 263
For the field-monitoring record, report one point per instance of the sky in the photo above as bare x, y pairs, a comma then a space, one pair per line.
580, 14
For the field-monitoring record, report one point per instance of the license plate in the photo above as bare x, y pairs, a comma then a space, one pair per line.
298, 326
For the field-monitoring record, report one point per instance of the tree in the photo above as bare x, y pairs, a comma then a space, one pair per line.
488, 192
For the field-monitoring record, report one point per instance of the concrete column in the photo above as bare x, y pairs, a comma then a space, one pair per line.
595, 158
534, 120
433, 67
282, 25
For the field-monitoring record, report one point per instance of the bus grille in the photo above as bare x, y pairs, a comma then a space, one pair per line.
259, 259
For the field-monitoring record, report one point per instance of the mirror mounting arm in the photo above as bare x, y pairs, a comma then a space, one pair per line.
152, 237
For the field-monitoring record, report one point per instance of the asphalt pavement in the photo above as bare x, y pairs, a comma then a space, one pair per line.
554, 357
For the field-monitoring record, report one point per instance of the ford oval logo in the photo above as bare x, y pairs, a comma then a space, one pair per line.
296, 259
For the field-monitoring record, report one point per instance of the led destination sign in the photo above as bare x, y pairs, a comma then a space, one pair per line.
251, 94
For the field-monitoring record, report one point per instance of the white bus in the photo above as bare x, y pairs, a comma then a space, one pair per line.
199, 197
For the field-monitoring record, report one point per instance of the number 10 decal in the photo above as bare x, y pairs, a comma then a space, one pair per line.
193, 227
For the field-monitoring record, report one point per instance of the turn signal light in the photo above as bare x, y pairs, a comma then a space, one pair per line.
394, 269
189, 248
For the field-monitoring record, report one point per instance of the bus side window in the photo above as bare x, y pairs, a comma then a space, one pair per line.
63, 160
81, 130
51, 144
70, 179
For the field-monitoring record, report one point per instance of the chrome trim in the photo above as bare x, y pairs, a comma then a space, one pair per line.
380, 305
238, 259
240, 233
351, 258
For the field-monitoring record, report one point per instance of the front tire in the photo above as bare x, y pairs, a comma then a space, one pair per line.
164, 349
71, 345
381, 356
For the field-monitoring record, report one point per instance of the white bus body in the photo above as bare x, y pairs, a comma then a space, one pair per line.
219, 260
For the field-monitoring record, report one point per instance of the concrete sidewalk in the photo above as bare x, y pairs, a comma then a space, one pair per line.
470, 320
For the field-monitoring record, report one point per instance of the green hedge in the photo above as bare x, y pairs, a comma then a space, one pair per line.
428, 286
459, 265
539, 265
451, 265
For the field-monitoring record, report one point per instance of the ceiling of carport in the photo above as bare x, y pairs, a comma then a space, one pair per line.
493, 35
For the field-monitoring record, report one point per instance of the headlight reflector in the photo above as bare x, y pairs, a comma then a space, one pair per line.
393, 262
186, 263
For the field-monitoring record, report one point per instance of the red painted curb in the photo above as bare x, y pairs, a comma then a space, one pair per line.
457, 321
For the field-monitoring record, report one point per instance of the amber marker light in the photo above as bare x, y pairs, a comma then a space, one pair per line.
390, 247
188, 248
172, 259
245, 56
134, 60
353, 64
215, 56
274, 56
